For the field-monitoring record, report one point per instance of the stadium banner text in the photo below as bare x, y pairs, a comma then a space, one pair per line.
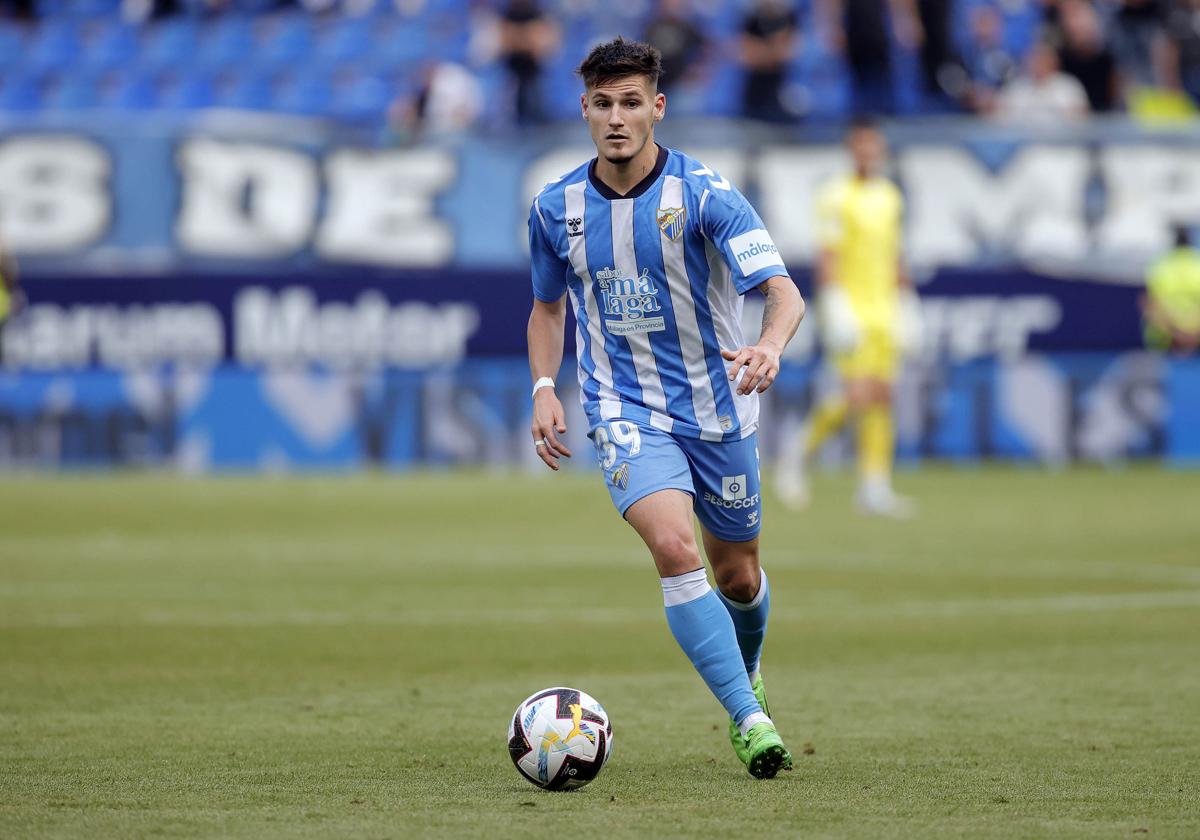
212, 194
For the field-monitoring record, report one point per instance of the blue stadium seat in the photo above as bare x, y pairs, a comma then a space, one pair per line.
188, 93
114, 46
73, 91
228, 42
170, 43
130, 92
56, 44
251, 92
364, 98
21, 93
12, 46
291, 44
307, 94
349, 40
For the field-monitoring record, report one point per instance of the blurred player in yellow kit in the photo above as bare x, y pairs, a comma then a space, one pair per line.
869, 316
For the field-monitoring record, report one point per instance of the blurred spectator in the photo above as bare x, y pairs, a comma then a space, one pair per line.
767, 42
1171, 305
448, 101
990, 64
941, 66
681, 42
1042, 94
864, 37
12, 299
1084, 54
527, 38
1181, 51
1136, 27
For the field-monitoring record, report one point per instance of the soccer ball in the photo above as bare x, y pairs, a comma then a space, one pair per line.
560, 738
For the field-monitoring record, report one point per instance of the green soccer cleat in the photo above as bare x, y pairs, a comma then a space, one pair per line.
768, 755
735, 735
763, 751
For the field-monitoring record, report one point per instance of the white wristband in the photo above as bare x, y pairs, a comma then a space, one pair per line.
544, 382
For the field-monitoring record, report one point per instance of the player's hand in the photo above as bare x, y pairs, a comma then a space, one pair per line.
761, 363
548, 423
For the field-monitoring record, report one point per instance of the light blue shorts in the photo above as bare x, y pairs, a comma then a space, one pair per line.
722, 478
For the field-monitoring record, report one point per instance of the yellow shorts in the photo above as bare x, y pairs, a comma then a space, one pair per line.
876, 357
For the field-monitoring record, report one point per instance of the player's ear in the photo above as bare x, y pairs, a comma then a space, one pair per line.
660, 106
583, 103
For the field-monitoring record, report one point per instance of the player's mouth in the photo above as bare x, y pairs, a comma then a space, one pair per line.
616, 138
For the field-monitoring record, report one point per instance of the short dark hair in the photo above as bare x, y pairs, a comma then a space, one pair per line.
862, 122
619, 58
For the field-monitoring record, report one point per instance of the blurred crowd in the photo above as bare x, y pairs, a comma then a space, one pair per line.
778, 61
1070, 59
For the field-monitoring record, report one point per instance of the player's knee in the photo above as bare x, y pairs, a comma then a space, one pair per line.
739, 583
674, 553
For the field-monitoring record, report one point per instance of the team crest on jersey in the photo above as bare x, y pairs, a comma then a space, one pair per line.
620, 477
629, 303
670, 221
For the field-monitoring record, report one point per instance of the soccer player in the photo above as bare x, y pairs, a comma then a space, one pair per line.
655, 250
869, 314
11, 297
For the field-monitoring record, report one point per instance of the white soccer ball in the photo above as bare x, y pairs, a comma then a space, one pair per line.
560, 738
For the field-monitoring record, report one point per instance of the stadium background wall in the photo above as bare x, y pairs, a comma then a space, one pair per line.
203, 295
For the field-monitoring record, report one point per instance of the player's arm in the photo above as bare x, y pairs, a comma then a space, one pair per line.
547, 323
782, 314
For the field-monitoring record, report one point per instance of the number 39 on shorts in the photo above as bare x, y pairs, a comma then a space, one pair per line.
616, 433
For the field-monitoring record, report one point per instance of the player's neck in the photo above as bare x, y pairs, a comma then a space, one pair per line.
623, 177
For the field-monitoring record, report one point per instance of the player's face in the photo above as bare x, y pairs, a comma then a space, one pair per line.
868, 149
621, 115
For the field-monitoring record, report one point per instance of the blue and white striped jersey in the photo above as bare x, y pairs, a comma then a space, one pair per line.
656, 279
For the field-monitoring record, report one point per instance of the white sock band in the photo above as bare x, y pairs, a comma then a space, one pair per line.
752, 719
753, 603
684, 588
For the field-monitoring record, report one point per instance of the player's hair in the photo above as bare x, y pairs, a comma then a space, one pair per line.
619, 58
862, 122
1182, 236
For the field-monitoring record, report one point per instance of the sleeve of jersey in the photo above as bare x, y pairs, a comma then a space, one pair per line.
737, 231
549, 271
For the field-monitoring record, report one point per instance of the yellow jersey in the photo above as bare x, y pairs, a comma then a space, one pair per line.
1174, 283
859, 220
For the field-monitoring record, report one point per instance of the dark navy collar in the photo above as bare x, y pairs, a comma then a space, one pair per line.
612, 195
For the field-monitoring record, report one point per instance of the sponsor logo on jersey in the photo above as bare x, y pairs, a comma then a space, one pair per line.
670, 221
731, 504
620, 477
754, 250
733, 487
574, 226
628, 301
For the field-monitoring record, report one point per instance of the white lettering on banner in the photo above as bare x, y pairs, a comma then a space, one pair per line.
50, 337
1149, 188
245, 199
1033, 208
974, 326
381, 208
54, 192
291, 327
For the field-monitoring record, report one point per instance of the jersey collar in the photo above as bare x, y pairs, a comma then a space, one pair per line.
607, 192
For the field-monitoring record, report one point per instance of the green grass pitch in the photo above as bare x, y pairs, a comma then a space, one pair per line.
339, 657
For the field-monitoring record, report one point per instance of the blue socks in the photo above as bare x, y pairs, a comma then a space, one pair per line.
750, 621
702, 627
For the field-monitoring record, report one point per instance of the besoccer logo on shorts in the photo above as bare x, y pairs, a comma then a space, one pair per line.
733, 487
